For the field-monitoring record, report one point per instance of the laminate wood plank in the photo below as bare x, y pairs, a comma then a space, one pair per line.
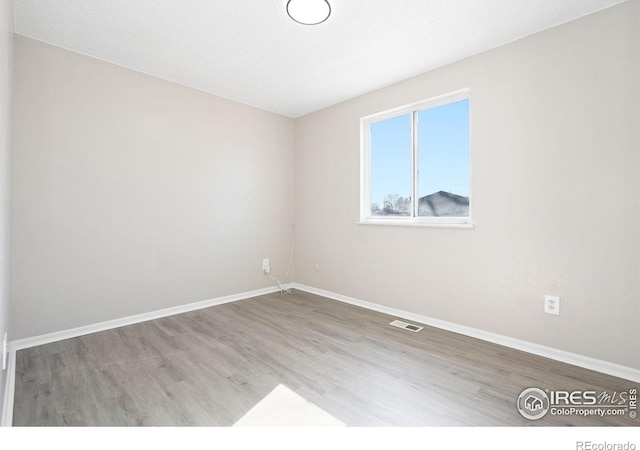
209, 367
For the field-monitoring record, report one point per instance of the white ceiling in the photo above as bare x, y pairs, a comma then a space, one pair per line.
252, 52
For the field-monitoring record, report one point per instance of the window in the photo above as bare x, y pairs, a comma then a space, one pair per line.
415, 164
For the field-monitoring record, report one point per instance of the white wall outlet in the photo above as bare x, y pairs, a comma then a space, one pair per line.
266, 267
5, 351
316, 267
552, 305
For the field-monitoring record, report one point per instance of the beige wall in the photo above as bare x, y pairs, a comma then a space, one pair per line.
133, 194
6, 68
555, 145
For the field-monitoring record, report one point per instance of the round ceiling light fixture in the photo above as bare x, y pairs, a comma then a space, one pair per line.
309, 12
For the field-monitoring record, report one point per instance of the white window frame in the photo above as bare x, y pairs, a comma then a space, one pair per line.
365, 166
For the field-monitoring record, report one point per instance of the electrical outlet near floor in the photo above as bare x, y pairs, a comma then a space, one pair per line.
552, 305
266, 266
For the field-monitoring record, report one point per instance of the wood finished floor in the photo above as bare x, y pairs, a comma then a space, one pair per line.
209, 367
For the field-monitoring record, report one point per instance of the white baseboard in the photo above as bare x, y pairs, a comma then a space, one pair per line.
7, 404
609, 368
130, 320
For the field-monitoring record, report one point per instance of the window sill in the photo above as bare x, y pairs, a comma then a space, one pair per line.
416, 223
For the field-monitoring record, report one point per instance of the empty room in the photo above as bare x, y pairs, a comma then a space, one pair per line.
413, 213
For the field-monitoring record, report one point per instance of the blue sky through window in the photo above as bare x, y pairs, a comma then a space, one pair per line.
443, 153
443, 149
390, 158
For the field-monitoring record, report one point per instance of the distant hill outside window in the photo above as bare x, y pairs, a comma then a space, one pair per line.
416, 164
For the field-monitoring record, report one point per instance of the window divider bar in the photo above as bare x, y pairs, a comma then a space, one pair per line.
414, 163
